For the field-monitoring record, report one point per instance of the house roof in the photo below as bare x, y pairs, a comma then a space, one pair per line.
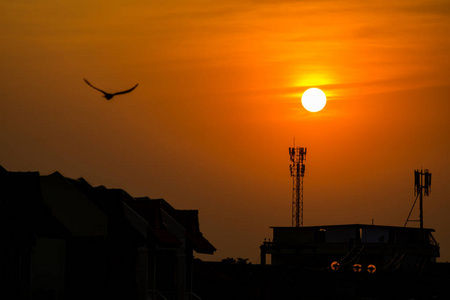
150, 210
72, 207
121, 217
189, 219
22, 207
202, 245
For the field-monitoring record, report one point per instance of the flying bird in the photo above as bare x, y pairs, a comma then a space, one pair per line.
108, 96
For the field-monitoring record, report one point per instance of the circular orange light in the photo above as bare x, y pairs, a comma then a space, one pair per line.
371, 269
335, 266
357, 268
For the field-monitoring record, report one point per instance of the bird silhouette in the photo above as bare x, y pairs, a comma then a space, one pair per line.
108, 96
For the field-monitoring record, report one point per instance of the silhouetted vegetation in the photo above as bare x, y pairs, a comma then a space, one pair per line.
238, 261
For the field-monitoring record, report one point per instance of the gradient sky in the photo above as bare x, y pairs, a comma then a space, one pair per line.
218, 106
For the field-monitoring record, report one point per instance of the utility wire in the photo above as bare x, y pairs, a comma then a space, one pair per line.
411, 210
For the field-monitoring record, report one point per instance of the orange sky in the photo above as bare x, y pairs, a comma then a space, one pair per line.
218, 106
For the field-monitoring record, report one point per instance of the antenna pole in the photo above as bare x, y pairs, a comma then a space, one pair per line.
421, 208
297, 167
422, 185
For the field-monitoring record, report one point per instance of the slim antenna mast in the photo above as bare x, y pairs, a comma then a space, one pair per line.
422, 184
297, 156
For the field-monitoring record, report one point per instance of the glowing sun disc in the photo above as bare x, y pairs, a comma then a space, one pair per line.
314, 99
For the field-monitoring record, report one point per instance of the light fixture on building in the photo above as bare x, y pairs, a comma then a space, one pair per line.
335, 266
357, 268
371, 269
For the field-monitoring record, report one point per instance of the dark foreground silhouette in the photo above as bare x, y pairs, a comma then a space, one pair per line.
64, 239
109, 96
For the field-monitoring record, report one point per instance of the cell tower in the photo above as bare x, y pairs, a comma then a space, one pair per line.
297, 156
422, 183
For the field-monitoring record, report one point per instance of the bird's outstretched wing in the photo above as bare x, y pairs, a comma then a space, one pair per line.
95, 87
127, 91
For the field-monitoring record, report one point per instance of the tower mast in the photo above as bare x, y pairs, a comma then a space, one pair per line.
422, 184
297, 156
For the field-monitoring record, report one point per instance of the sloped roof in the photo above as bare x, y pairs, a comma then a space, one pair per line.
22, 208
110, 201
150, 210
75, 207
71, 207
201, 244
189, 219
186, 218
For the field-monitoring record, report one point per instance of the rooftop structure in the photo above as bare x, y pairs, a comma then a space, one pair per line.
387, 248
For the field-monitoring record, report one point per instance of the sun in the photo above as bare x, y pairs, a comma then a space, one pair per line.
314, 99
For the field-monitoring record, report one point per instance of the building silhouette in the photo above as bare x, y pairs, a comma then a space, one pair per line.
62, 238
353, 246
